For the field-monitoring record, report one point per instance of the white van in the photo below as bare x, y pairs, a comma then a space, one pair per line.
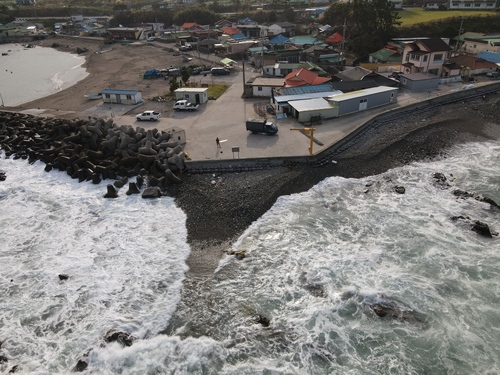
219, 71
148, 116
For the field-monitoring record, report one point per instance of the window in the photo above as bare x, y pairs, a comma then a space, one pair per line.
108, 96
438, 57
477, 5
425, 58
363, 100
415, 57
467, 5
259, 88
186, 96
129, 97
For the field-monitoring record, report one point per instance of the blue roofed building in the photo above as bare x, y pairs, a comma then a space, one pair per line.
302, 41
278, 40
490, 56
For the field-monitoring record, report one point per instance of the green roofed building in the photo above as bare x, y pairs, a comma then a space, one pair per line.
386, 55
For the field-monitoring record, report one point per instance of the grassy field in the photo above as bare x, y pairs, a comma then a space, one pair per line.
417, 15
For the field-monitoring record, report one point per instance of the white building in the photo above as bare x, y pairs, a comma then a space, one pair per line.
116, 96
194, 95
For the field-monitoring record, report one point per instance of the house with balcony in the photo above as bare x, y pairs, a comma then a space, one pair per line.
425, 56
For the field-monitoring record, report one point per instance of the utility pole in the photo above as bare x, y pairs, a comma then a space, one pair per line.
310, 133
243, 63
342, 45
459, 35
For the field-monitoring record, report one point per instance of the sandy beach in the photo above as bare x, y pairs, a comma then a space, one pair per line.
218, 214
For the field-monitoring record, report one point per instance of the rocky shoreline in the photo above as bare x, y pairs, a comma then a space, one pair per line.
220, 207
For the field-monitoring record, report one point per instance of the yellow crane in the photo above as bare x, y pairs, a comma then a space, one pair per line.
310, 133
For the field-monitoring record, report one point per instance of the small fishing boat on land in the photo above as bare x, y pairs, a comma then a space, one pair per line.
93, 96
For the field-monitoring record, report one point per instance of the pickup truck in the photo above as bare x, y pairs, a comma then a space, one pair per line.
184, 105
261, 126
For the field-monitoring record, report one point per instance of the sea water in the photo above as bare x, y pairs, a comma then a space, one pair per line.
315, 266
27, 74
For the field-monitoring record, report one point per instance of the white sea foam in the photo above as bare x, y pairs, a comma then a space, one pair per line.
27, 74
125, 259
315, 264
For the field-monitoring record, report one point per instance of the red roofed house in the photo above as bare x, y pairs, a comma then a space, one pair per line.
230, 31
190, 26
472, 65
334, 39
304, 77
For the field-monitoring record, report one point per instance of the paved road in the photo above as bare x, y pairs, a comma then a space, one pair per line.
225, 118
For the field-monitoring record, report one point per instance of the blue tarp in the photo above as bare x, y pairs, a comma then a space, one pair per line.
153, 73
238, 36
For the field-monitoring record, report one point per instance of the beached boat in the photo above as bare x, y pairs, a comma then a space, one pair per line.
93, 96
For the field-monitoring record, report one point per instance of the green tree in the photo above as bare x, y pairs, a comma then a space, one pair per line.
173, 83
185, 74
200, 15
369, 23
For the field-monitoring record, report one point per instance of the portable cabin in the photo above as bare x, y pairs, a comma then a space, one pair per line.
117, 96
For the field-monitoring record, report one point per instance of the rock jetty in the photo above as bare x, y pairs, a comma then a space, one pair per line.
94, 149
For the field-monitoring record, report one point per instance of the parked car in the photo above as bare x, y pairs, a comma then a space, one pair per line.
219, 71
151, 39
184, 105
186, 47
148, 116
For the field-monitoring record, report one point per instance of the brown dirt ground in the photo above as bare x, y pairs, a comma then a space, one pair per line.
110, 66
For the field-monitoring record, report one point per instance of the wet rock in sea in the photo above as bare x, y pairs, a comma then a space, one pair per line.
63, 276
385, 307
111, 192
238, 254
81, 365
151, 192
122, 338
400, 189
477, 226
3, 176
313, 288
3, 359
482, 228
465, 194
263, 320
441, 180
14, 369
